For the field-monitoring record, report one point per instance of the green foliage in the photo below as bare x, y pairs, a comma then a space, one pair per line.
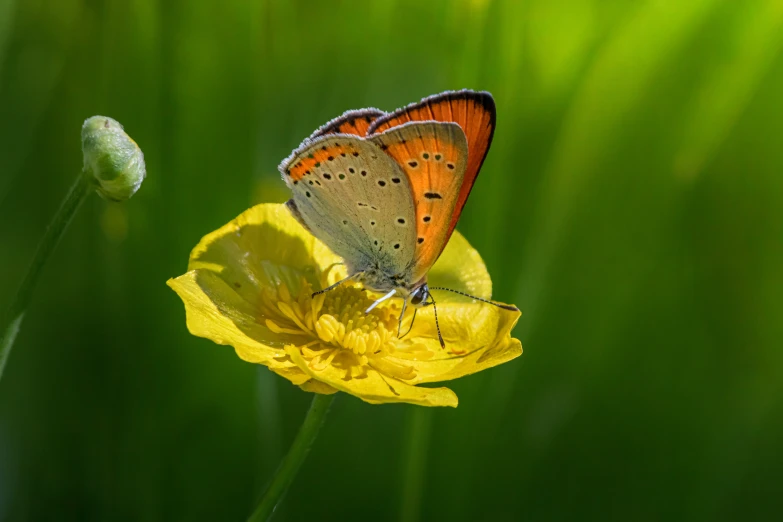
631, 205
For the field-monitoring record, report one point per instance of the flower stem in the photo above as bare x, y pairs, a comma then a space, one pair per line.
81, 188
293, 461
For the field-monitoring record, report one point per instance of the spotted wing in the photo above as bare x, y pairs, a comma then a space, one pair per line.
473, 111
433, 156
355, 199
355, 122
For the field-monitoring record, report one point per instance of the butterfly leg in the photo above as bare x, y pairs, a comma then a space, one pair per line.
413, 319
338, 283
402, 315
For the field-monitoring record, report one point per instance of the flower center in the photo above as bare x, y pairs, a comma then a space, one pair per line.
336, 328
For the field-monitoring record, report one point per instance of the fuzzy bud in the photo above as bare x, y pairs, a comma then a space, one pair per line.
112, 158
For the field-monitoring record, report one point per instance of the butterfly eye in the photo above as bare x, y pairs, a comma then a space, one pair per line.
419, 295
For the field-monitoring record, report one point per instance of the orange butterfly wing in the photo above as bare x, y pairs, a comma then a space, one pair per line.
351, 122
473, 111
433, 155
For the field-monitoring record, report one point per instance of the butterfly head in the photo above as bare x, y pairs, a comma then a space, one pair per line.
420, 296
417, 294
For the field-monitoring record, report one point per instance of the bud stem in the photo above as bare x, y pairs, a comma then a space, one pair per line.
81, 188
293, 461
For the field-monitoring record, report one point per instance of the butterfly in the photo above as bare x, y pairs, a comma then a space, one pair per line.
384, 191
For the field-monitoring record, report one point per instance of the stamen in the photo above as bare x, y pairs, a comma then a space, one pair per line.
319, 364
289, 312
282, 293
279, 330
326, 327
349, 330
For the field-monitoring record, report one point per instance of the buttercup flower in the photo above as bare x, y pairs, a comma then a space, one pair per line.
249, 285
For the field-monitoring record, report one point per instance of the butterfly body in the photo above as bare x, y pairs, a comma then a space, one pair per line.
385, 191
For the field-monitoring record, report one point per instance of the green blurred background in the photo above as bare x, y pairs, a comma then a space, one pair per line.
631, 205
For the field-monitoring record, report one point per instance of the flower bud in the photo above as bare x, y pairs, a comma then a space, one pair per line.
112, 158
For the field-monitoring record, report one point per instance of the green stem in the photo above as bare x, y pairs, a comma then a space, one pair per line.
293, 461
79, 191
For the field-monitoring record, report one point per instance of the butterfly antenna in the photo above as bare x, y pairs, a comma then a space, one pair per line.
411, 326
332, 287
437, 325
503, 306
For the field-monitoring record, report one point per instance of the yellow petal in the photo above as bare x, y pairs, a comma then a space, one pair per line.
262, 246
314, 386
376, 388
293, 374
215, 311
477, 335
460, 267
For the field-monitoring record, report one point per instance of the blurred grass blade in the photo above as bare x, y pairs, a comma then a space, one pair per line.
749, 51
616, 81
414, 460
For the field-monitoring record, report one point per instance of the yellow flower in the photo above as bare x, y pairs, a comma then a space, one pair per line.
249, 285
